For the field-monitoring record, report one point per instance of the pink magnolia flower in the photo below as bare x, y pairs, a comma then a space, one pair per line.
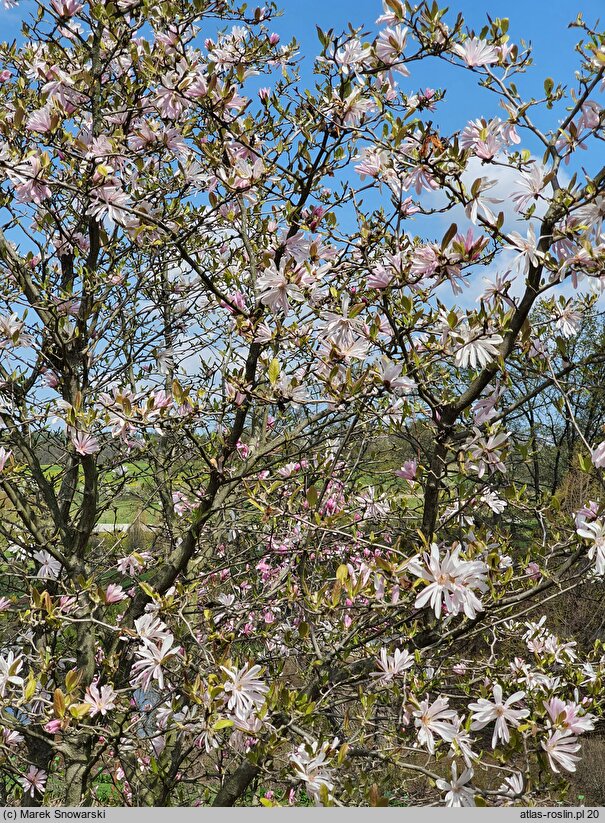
420, 179
379, 278
181, 503
371, 162
530, 188
408, 471
276, 290
591, 115
133, 563
566, 716
390, 46
425, 261
114, 594
587, 513
485, 408
66, 8
11, 738
34, 781
39, 120
85, 443
28, 179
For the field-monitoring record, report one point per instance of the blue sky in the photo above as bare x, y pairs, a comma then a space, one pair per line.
542, 23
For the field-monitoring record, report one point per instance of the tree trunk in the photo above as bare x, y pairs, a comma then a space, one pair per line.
236, 784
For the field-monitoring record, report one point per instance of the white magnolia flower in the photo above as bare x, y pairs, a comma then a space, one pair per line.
152, 659
352, 57
487, 453
390, 46
561, 748
495, 503
479, 201
276, 290
477, 52
484, 711
526, 248
512, 786
246, 691
10, 666
392, 379
150, 627
476, 348
49, 567
435, 718
458, 793
100, 700
450, 582
568, 319
530, 187
310, 766
462, 744
598, 456
393, 665
595, 532
111, 202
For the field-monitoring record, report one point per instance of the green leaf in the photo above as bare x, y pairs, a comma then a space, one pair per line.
274, 371
59, 703
312, 496
342, 573
223, 723
450, 233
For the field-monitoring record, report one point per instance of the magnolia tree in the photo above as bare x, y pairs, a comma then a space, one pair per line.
246, 306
